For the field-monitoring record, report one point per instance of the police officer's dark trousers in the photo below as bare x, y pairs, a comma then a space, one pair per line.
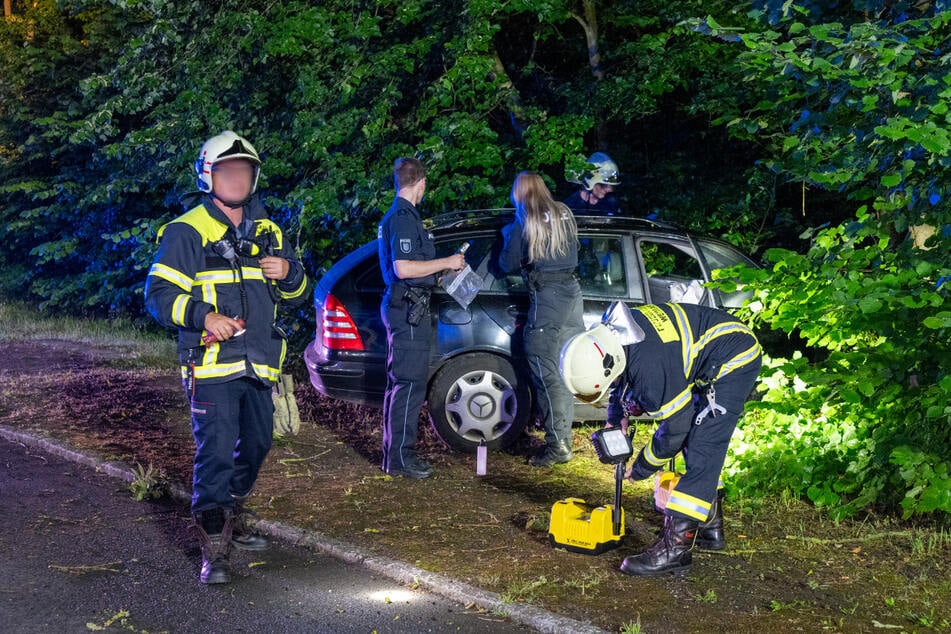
232, 424
407, 369
554, 317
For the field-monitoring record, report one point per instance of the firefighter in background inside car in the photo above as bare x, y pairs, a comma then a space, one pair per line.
596, 194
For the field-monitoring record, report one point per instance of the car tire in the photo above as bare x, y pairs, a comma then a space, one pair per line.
479, 396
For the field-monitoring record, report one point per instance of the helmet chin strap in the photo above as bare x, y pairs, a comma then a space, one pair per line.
233, 204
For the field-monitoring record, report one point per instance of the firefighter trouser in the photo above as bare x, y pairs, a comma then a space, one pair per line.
554, 317
407, 370
232, 423
704, 446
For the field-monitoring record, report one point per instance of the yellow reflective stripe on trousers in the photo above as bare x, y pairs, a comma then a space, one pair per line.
167, 273
688, 505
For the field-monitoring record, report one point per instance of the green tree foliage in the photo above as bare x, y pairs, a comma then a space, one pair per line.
330, 95
860, 108
768, 117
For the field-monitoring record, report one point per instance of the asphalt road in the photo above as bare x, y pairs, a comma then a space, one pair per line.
78, 554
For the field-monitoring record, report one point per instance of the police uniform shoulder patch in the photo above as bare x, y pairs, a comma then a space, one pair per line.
406, 245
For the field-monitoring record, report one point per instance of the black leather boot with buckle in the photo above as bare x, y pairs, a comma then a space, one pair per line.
669, 554
214, 533
244, 535
710, 532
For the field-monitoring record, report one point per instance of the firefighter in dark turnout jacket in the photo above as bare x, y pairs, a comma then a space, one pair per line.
692, 368
221, 270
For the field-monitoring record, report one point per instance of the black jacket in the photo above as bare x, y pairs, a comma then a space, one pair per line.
195, 273
686, 346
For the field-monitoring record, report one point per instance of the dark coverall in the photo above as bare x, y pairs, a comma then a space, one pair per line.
607, 206
402, 237
554, 316
689, 351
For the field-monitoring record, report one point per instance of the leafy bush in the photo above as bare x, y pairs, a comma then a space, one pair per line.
863, 423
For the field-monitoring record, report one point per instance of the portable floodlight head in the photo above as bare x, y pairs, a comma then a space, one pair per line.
612, 445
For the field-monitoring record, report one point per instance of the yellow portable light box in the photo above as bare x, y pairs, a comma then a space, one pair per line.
577, 527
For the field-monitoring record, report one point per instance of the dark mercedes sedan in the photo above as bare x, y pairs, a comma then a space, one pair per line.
478, 385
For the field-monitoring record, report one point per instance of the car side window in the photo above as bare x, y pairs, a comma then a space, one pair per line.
721, 256
601, 268
508, 282
673, 273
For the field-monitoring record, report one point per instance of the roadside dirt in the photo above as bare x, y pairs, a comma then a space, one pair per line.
787, 568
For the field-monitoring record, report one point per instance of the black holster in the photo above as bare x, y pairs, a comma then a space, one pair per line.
417, 299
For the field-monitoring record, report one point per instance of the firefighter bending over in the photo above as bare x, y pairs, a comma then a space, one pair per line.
692, 368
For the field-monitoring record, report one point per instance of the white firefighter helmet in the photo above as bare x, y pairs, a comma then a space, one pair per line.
224, 147
601, 170
590, 362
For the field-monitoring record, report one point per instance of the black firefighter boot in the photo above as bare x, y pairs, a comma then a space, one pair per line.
244, 536
670, 553
214, 532
710, 532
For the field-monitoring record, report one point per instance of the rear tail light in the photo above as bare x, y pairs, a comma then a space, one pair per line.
339, 331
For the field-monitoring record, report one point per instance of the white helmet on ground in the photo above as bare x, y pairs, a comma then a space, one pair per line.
590, 362
224, 147
602, 171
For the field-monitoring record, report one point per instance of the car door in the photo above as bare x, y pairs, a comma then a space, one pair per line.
607, 271
672, 271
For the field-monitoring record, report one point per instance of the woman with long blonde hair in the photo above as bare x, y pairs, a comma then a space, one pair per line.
542, 242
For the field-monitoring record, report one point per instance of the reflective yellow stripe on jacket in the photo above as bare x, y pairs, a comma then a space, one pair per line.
690, 350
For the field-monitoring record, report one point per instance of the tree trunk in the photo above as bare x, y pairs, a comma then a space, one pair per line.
590, 25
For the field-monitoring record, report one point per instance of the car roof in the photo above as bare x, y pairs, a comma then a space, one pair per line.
495, 218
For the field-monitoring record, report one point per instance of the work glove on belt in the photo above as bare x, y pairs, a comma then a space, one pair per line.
286, 413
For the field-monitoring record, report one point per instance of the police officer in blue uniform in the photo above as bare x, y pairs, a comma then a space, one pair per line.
692, 368
410, 269
542, 242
